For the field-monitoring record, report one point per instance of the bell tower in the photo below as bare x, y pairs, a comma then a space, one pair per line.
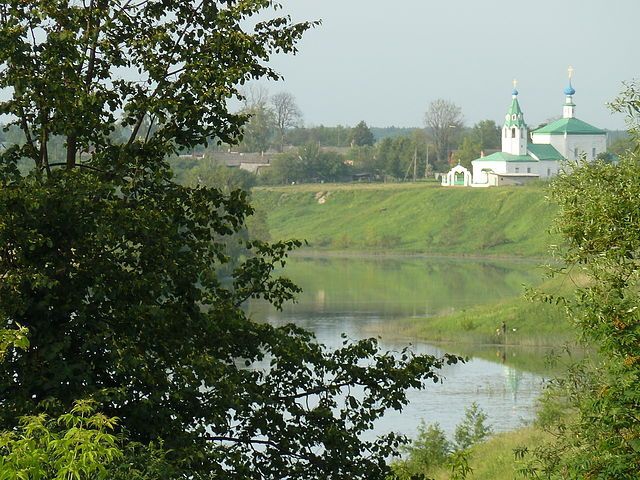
514, 131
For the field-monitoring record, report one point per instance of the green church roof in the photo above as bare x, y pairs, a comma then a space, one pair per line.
544, 152
506, 157
570, 126
514, 117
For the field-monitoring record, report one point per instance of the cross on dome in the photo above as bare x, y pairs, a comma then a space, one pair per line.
570, 90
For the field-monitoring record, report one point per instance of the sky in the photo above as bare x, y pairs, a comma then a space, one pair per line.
384, 62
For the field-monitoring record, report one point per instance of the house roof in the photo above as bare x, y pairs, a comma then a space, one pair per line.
570, 126
544, 152
506, 157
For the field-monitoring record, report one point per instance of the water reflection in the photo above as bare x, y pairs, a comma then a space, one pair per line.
349, 295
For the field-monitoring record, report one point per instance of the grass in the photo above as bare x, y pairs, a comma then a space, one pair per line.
411, 218
528, 322
495, 459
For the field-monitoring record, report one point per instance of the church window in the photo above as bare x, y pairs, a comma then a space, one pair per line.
513, 117
513, 133
548, 172
593, 153
528, 169
517, 170
575, 152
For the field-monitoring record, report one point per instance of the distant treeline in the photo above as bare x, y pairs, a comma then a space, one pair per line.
330, 154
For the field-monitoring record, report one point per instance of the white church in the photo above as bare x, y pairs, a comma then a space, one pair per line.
540, 157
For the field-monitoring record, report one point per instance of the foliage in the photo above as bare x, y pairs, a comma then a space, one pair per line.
13, 338
361, 135
308, 164
599, 204
469, 151
473, 428
78, 444
487, 134
443, 119
401, 157
430, 449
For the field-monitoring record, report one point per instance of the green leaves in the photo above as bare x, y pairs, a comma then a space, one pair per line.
77, 445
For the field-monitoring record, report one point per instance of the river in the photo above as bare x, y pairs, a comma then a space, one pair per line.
352, 295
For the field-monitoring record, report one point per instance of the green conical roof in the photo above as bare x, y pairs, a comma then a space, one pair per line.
514, 117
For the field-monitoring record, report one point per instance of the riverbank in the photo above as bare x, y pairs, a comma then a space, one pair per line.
411, 218
494, 459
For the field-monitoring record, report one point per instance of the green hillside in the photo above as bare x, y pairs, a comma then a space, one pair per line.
411, 218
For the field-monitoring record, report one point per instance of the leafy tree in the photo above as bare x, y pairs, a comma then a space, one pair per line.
473, 428
443, 118
259, 131
402, 156
599, 203
308, 164
361, 135
432, 450
487, 134
115, 269
468, 151
286, 113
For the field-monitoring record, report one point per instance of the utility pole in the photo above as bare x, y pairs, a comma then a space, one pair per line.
426, 165
415, 163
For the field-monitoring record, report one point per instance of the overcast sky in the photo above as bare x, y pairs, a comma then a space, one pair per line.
384, 61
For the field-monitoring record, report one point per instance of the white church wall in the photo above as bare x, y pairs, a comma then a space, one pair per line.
522, 167
548, 168
590, 145
480, 168
567, 146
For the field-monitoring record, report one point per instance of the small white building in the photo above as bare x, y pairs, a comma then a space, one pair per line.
522, 160
458, 176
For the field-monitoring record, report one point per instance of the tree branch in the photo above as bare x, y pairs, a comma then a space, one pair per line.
255, 441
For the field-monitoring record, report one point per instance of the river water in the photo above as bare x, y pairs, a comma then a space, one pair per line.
354, 295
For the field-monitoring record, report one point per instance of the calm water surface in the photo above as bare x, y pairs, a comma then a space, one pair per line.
352, 295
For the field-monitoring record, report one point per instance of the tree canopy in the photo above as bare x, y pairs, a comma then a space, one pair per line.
117, 270
361, 135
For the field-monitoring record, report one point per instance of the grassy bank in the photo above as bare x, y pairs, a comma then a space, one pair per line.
527, 324
477, 331
411, 218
